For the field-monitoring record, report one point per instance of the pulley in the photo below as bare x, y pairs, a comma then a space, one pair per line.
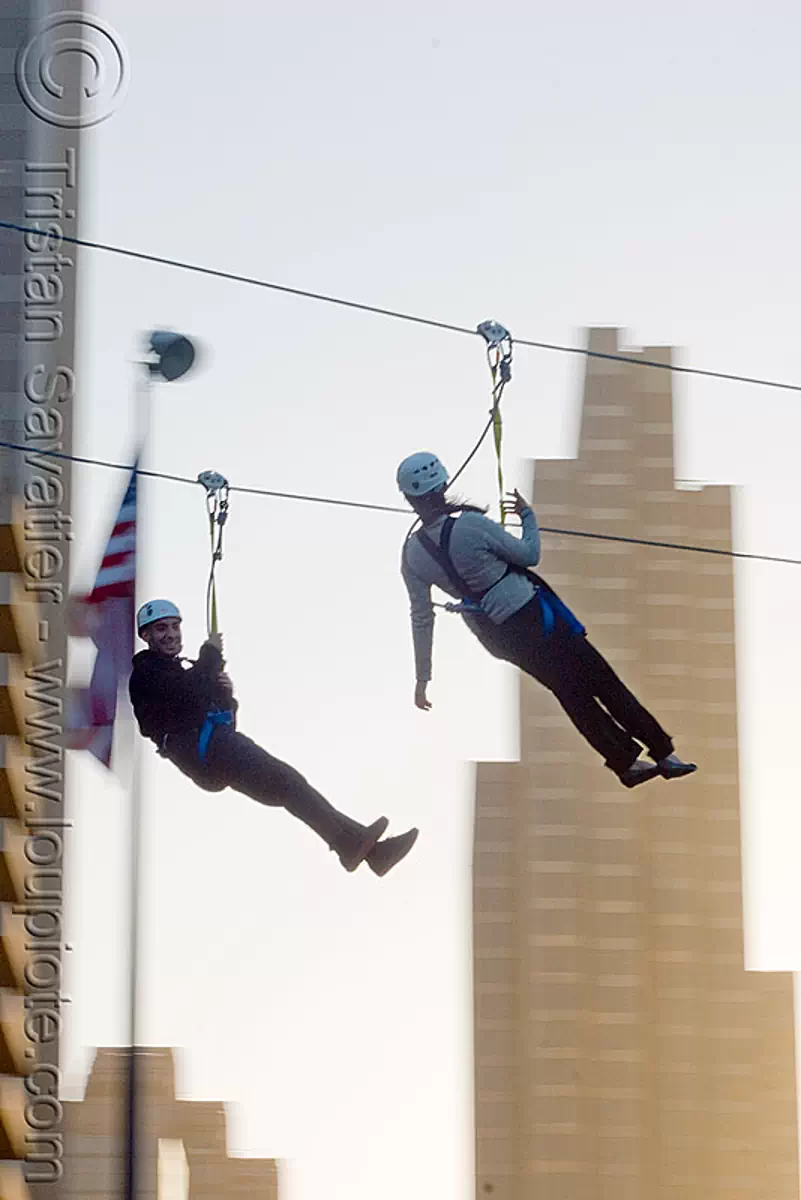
494, 333
217, 489
499, 356
212, 481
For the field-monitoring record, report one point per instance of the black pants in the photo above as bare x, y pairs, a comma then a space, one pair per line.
570, 667
233, 760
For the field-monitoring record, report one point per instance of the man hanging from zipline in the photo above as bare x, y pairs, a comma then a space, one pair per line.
190, 714
517, 617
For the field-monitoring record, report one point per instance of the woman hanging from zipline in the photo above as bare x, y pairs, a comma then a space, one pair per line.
517, 617
190, 713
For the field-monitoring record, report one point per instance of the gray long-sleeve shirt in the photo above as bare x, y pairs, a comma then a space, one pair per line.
481, 550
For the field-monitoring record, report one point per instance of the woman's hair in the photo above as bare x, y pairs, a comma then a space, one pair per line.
455, 504
439, 502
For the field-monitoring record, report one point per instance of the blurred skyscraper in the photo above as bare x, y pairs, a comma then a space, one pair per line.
622, 1051
182, 1143
39, 173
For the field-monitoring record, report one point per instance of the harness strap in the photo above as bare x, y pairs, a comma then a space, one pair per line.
213, 719
217, 489
442, 555
550, 604
499, 356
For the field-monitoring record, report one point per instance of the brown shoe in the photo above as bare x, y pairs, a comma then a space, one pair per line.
390, 851
354, 848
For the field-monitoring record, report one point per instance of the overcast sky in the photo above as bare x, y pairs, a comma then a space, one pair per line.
553, 167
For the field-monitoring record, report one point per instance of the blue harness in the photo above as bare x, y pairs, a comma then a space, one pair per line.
550, 606
213, 719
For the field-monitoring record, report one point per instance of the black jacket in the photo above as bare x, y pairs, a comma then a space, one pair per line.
167, 698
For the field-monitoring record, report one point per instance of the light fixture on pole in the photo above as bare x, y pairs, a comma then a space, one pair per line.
172, 354
168, 356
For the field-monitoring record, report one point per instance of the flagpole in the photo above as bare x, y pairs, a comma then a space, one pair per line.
142, 425
132, 1090
174, 354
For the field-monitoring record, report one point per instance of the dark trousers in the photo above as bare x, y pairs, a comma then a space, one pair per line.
582, 681
233, 760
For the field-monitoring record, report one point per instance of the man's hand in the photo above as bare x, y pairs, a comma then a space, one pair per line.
517, 505
216, 641
225, 683
420, 698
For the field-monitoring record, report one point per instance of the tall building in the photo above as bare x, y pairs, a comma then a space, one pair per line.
39, 168
182, 1143
622, 1051
19, 648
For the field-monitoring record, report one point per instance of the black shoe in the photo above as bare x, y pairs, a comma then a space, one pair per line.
673, 768
639, 772
354, 848
390, 851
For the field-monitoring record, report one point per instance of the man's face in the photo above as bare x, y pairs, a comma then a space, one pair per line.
164, 636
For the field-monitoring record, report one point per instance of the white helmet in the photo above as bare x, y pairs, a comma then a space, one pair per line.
421, 473
155, 610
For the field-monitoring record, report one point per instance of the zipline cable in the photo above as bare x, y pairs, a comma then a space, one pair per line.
395, 314
254, 491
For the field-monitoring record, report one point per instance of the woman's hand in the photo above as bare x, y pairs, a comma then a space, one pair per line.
518, 505
420, 697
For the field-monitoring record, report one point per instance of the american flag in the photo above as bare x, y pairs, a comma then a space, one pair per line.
117, 575
106, 615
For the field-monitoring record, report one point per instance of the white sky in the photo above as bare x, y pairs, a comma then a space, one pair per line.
550, 166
